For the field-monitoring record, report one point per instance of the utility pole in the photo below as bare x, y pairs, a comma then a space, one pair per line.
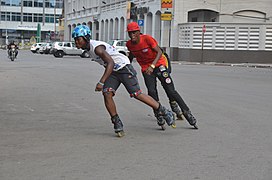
6, 24
55, 20
43, 18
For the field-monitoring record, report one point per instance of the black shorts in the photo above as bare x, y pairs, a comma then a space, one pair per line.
127, 76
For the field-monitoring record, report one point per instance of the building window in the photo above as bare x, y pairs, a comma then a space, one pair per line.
251, 14
3, 16
49, 18
27, 17
5, 2
49, 4
59, 3
16, 2
28, 3
38, 17
194, 19
53, 3
7, 16
15, 16
203, 15
11, 2
38, 3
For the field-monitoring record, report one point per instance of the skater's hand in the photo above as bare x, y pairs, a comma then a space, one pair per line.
99, 86
149, 70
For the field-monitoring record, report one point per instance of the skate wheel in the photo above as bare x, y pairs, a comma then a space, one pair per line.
180, 118
120, 134
195, 126
173, 126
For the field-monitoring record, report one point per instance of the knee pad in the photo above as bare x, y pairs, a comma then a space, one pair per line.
135, 94
107, 91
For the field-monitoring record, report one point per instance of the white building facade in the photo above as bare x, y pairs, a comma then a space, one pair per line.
231, 26
20, 18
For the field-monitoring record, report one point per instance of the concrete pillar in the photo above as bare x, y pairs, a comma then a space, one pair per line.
112, 34
145, 24
93, 30
165, 33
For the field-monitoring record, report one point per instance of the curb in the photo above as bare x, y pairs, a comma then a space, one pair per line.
252, 65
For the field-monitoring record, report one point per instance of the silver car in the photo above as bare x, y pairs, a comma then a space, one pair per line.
59, 49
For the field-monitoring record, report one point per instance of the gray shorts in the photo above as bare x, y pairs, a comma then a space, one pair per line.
127, 76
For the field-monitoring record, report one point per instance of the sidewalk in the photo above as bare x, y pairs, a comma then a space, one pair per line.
253, 65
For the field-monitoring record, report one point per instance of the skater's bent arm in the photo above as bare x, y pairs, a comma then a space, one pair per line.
102, 53
150, 69
159, 54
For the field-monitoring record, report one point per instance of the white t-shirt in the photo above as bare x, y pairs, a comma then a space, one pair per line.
120, 60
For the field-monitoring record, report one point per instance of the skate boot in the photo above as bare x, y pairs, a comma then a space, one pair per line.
175, 108
160, 121
190, 118
167, 116
117, 125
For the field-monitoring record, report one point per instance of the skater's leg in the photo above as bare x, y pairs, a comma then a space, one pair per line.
168, 85
185, 109
109, 89
117, 125
175, 108
151, 85
109, 103
131, 84
148, 100
158, 108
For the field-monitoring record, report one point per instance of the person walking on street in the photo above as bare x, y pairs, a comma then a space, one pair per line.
117, 70
154, 65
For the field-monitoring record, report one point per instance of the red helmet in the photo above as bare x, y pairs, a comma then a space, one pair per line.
133, 26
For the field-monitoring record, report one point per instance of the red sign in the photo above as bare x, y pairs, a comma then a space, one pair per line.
166, 4
204, 28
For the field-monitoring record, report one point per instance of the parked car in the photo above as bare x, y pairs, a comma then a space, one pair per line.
120, 46
59, 49
36, 47
41, 49
45, 49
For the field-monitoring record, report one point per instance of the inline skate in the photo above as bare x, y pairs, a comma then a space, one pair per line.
175, 108
190, 118
118, 126
166, 115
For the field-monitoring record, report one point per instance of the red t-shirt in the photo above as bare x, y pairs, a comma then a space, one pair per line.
144, 53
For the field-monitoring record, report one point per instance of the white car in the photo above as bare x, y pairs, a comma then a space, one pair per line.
120, 46
36, 47
59, 49
45, 48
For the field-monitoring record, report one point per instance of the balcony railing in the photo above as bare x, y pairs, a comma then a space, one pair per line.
226, 36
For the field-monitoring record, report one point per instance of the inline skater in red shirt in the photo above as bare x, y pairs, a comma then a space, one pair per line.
154, 65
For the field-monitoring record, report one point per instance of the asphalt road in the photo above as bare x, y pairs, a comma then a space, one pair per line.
53, 126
